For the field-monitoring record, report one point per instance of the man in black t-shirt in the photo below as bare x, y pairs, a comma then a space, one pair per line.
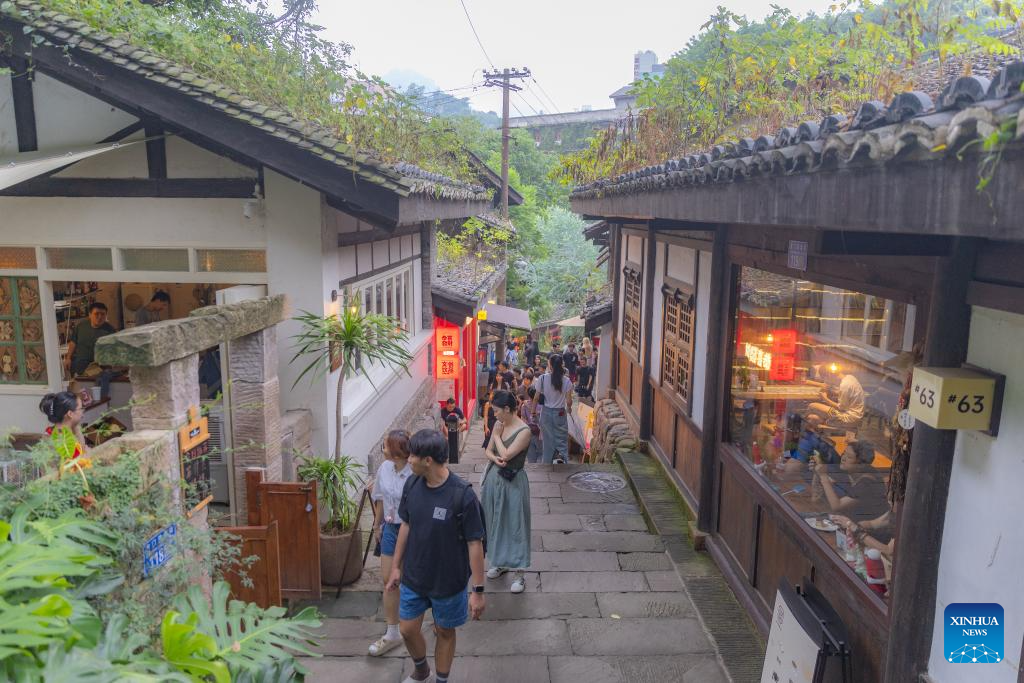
571, 360
440, 544
584, 379
453, 421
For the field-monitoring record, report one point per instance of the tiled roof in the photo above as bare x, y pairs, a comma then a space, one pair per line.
403, 179
599, 303
910, 127
468, 279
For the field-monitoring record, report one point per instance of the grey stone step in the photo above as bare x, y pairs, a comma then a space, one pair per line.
608, 541
638, 637
701, 668
659, 605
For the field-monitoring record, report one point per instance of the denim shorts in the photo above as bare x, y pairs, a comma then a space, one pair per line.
388, 538
450, 612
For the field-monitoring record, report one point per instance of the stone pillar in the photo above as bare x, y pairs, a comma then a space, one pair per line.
162, 395
255, 413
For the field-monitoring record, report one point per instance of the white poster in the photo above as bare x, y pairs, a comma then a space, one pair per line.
791, 653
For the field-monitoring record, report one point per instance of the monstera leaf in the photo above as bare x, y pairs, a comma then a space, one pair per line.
191, 651
257, 644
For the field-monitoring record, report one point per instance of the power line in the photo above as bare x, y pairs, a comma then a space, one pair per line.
476, 35
534, 79
528, 105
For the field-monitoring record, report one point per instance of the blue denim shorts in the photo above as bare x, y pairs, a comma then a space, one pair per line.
450, 612
388, 538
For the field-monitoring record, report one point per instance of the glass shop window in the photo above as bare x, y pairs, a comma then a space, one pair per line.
819, 377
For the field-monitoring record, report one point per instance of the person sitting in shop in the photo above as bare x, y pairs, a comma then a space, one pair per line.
847, 412
151, 312
82, 345
857, 491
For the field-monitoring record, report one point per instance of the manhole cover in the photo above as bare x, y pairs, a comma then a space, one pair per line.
597, 482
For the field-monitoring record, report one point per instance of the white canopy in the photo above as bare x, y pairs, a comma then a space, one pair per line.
576, 321
21, 167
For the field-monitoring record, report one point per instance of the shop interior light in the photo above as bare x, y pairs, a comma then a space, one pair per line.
834, 368
771, 338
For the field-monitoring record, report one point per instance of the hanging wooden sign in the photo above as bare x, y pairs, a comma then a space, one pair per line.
447, 339
194, 449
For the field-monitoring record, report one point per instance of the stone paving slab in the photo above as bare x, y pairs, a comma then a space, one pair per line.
545, 489
376, 669
650, 605
651, 669
571, 494
556, 507
574, 562
592, 523
523, 636
608, 541
556, 523
592, 582
480, 669
541, 606
644, 562
625, 523
666, 580
351, 637
351, 604
638, 636
539, 506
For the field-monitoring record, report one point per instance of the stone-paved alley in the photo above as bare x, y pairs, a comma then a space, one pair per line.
603, 602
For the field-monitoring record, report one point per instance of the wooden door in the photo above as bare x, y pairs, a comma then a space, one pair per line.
293, 506
265, 572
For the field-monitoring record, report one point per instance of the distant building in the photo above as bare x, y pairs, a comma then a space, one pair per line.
570, 131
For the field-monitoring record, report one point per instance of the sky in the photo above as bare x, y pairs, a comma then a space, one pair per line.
579, 51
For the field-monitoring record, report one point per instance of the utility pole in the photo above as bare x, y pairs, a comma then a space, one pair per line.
503, 79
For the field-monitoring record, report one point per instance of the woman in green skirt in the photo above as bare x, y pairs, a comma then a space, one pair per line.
506, 493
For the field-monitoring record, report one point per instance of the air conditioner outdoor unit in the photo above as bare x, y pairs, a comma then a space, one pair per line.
218, 461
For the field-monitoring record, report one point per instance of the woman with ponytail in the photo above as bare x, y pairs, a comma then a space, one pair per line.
64, 411
555, 391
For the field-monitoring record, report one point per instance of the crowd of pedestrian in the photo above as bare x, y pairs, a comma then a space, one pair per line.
435, 537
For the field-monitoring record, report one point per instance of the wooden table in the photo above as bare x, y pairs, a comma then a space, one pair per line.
781, 392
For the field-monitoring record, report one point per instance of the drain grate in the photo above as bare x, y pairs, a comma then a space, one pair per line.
737, 641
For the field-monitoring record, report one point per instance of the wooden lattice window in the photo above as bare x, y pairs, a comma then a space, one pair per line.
677, 342
631, 309
22, 355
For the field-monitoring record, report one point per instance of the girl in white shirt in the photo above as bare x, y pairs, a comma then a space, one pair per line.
556, 389
387, 494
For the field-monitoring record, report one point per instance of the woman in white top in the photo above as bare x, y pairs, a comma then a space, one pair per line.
387, 494
555, 389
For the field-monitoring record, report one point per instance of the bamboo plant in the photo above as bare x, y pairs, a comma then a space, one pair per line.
350, 341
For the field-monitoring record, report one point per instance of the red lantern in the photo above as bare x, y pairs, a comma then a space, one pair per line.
783, 342
783, 368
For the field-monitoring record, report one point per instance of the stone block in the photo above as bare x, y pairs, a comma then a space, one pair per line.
162, 395
666, 580
574, 562
646, 605
160, 343
253, 357
644, 562
592, 582
494, 669
696, 668
334, 669
638, 637
603, 541
507, 606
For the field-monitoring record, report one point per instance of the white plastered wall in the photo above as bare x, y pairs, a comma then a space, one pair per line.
983, 539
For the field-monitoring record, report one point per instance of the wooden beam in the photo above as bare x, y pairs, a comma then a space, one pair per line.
929, 198
156, 151
348, 239
615, 258
922, 519
715, 377
24, 105
646, 394
1000, 297
172, 188
127, 90
119, 135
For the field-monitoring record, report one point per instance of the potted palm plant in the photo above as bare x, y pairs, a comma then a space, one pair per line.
338, 485
349, 342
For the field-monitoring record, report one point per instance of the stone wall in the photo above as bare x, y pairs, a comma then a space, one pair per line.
420, 412
296, 441
611, 431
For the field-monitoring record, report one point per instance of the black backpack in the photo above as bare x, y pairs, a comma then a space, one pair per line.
463, 485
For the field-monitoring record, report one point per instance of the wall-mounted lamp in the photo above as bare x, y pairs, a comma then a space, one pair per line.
469, 321
334, 295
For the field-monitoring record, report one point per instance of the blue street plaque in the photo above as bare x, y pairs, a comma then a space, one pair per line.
159, 549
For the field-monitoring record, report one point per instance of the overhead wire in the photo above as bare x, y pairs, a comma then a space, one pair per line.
476, 35
545, 93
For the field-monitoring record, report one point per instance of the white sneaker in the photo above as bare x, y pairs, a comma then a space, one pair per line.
383, 645
557, 461
495, 572
428, 679
519, 584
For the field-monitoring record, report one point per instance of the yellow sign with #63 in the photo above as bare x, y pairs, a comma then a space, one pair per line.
952, 398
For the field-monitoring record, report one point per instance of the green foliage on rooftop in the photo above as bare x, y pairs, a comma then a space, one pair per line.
281, 62
747, 78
